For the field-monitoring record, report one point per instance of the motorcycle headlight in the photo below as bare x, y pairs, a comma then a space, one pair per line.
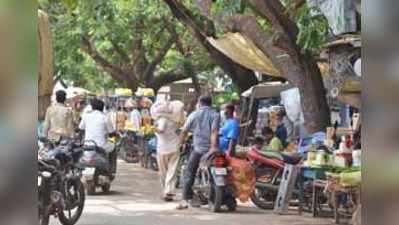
46, 174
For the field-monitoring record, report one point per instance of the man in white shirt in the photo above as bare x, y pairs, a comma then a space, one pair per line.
97, 127
168, 155
135, 115
167, 152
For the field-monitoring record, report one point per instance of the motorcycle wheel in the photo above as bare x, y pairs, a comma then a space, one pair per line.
154, 164
231, 204
90, 187
216, 198
263, 197
260, 201
106, 188
44, 220
71, 219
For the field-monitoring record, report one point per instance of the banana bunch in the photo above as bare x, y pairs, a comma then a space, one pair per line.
147, 129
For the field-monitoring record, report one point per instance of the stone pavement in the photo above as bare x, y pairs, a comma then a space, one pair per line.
135, 200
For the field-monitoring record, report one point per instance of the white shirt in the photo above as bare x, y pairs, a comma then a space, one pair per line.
97, 127
135, 119
167, 138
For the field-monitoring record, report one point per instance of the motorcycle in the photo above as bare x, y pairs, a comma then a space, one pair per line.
183, 160
268, 169
129, 148
60, 190
211, 184
99, 167
151, 154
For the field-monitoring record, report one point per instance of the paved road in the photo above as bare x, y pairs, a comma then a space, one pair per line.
135, 201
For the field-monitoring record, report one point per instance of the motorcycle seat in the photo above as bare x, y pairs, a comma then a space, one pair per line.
93, 148
289, 159
292, 159
271, 155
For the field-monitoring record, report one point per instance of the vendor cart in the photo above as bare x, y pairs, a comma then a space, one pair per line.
345, 199
250, 104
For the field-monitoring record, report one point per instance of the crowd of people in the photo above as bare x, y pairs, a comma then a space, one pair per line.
211, 133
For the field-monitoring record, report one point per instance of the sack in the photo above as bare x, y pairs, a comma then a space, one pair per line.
242, 177
173, 110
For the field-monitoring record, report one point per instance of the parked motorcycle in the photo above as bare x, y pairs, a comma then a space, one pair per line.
60, 190
99, 167
269, 169
211, 185
151, 154
183, 160
128, 147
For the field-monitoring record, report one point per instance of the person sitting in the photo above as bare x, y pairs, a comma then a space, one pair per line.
97, 128
273, 143
281, 130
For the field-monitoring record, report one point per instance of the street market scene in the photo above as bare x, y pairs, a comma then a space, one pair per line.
200, 112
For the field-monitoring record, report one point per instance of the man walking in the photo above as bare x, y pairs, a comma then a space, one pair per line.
59, 119
204, 125
167, 116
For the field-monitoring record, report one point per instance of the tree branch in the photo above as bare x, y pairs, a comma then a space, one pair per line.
160, 56
165, 78
125, 58
116, 72
201, 30
285, 29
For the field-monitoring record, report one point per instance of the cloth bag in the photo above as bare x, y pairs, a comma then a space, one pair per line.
242, 177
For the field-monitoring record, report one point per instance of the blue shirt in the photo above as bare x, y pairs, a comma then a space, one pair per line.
281, 133
201, 123
229, 131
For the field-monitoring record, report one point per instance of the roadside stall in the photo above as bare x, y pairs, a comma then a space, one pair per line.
255, 104
331, 174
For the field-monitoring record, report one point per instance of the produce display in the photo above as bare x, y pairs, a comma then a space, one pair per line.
147, 130
347, 178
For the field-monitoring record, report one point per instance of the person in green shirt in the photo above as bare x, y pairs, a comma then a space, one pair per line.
273, 143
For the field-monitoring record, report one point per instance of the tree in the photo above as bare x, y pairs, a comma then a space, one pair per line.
132, 41
201, 28
45, 82
270, 25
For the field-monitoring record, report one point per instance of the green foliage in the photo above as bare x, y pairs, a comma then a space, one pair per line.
313, 29
229, 7
220, 99
108, 22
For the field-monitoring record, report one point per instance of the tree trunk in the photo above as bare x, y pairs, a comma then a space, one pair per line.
242, 77
45, 82
299, 69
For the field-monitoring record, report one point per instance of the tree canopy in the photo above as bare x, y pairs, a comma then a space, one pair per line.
153, 42
284, 30
138, 43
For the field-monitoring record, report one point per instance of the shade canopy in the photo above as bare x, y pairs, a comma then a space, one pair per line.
266, 90
243, 51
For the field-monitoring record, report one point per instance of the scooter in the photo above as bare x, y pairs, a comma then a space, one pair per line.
99, 167
211, 185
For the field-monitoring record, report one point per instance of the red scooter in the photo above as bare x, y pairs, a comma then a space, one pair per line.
269, 169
